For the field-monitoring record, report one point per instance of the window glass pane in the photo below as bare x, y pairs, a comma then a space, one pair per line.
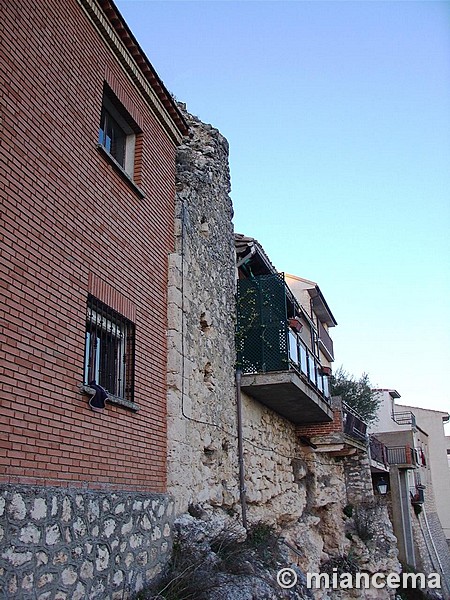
101, 132
112, 136
293, 354
118, 139
108, 362
87, 354
319, 382
97, 343
303, 359
108, 140
312, 369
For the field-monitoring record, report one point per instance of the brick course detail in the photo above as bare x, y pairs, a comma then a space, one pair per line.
335, 426
71, 222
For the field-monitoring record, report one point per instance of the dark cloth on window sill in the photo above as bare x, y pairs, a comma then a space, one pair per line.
97, 400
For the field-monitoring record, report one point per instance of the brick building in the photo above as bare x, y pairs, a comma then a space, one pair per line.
87, 184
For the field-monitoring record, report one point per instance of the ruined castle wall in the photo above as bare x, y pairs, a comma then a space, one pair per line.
202, 437
201, 418
300, 491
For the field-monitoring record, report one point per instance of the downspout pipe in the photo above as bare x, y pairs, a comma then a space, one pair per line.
240, 449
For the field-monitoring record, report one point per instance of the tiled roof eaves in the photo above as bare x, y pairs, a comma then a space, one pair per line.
123, 31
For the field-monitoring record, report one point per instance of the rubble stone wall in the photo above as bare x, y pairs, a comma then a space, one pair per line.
300, 491
358, 478
201, 356
270, 447
72, 544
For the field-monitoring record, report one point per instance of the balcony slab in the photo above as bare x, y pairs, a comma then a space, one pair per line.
378, 467
338, 444
287, 394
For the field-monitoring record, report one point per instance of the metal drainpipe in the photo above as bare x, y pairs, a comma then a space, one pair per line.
240, 448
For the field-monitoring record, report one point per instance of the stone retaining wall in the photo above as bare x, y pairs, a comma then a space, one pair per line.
73, 544
358, 479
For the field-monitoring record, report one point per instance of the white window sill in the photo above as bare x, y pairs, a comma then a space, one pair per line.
85, 389
118, 167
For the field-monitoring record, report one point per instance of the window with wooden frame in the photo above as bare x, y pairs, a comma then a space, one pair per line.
109, 350
117, 132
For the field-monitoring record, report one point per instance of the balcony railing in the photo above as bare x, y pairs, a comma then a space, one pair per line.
354, 425
302, 359
378, 451
405, 418
401, 455
264, 341
327, 342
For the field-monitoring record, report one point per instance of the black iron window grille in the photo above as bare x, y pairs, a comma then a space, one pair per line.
109, 350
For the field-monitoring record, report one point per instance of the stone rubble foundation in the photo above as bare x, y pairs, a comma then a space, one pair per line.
74, 544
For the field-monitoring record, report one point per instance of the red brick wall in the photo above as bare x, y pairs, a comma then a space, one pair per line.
322, 428
69, 222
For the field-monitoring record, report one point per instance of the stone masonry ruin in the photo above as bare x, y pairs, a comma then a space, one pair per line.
300, 492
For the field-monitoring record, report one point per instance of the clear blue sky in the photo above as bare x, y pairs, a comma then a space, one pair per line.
338, 119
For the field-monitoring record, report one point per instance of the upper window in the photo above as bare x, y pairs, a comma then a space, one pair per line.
112, 136
109, 353
117, 132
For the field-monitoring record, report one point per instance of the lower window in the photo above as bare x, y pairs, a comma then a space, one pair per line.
109, 352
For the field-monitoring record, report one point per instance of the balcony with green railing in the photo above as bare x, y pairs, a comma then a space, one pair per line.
278, 368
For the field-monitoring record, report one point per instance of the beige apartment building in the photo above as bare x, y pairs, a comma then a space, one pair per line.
432, 421
419, 480
447, 445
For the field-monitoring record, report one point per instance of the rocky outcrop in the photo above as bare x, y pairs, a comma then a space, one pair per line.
217, 559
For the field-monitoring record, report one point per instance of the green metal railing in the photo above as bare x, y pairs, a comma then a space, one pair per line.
262, 326
264, 340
